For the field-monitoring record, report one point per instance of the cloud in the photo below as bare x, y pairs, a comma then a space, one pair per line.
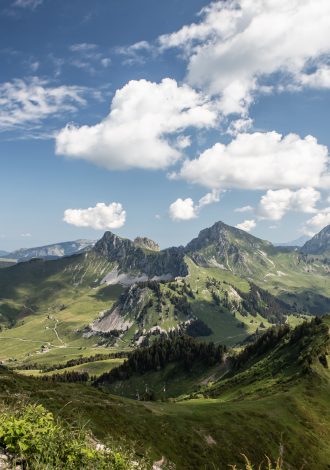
135, 53
26, 235
34, 66
275, 204
261, 161
100, 217
182, 209
83, 47
183, 141
319, 221
27, 3
242, 47
88, 56
27, 102
247, 225
318, 79
209, 198
106, 62
140, 131
239, 126
185, 209
244, 209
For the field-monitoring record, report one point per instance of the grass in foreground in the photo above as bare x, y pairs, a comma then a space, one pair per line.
33, 438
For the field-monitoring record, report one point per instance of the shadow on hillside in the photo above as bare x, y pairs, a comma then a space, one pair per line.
226, 328
109, 293
307, 301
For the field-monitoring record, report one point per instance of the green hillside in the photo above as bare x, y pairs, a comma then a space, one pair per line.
275, 394
121, 295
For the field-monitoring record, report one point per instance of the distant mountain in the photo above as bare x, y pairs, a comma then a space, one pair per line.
53, 251
319, 244
297, 242
3, 253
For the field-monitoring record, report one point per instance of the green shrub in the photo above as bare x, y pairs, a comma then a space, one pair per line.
33, 435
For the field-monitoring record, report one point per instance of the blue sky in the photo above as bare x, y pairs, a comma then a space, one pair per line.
160, 118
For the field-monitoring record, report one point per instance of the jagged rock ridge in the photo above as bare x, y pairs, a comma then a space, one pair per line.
146, 243
133, 259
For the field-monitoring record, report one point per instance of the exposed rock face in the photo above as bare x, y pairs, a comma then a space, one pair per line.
123, 314
132, 258
319, 244
146, 243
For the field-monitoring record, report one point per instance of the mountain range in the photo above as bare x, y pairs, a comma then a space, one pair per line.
224, 285
216, 342
53, 251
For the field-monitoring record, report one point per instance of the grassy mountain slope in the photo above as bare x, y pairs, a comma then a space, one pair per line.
280, 270
54, 308
278, 395
50, 305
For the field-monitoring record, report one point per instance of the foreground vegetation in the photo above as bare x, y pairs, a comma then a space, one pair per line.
33, 439
275, 396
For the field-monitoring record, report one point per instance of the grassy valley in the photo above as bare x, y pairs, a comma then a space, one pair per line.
277, 396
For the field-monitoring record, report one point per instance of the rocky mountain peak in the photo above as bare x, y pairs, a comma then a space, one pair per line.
222, 235
130, 257
114, 247
146, 243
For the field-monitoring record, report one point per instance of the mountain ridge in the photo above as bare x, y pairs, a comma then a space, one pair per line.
51, 251
319, 244
224, 285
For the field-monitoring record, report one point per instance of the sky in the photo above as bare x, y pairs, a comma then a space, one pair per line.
160, 118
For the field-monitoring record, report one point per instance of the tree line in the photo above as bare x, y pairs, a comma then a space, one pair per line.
174, 347
72, 362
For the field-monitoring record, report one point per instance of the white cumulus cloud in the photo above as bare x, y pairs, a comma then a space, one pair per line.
237, 45
182, 209
142, 127
100, 217
247, 225
275, 204
185, 209
261, 161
